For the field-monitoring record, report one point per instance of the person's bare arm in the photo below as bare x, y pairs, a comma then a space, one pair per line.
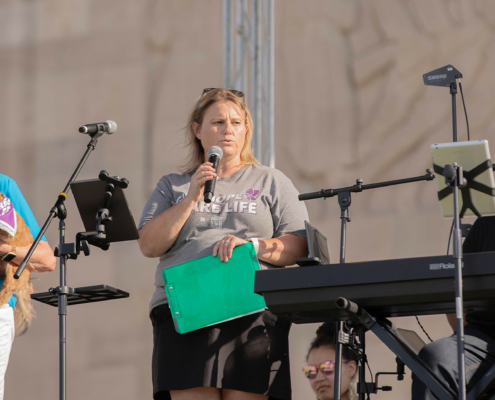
279, 251
160, 233
283, 250
42, 259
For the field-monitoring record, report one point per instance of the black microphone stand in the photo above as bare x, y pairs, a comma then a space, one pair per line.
453, 176
59, 210
447, 77
344, 198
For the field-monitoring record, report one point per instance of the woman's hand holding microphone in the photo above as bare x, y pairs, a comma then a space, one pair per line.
203, 174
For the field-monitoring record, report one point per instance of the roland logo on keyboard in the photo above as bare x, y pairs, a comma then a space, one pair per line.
443, 266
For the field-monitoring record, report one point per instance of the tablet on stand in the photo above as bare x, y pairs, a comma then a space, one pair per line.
466, 168
474, 157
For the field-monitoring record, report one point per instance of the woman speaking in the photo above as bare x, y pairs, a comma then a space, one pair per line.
245, 358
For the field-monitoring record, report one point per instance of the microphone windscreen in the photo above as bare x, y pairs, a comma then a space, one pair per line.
215, 150
112, 126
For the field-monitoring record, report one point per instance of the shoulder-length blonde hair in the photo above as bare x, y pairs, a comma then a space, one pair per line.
196, 155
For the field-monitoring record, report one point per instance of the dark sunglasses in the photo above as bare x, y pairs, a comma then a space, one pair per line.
237, 93
326, 367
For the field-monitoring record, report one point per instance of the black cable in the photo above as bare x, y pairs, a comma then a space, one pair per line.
450, 236
354, 351
465, 112
366, 386
364, 359
428, 336
448, 248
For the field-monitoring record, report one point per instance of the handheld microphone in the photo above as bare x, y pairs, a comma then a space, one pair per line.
108, 127
214, 155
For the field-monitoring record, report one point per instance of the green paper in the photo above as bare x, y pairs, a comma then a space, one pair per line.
207, 291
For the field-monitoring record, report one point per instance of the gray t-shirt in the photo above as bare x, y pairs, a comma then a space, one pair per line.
256, 202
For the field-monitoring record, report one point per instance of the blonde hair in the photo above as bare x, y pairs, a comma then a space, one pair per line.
196, 155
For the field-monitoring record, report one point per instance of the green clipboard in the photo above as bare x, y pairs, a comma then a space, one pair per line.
206, 291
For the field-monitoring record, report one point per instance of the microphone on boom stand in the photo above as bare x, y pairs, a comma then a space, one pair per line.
99, 128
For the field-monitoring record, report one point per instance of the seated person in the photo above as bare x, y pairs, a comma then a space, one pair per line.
321, 365
479, 332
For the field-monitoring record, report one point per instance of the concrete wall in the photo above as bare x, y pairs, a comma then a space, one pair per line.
350, 103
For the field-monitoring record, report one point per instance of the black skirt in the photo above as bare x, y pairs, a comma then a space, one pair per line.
250, 354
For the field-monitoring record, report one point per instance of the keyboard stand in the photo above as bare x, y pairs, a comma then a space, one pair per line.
388, 337
482, 388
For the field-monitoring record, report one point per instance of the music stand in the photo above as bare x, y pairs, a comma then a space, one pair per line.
478, 193
88, 195
102, 204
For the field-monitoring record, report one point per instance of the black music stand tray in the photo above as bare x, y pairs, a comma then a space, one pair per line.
81, 295
103, 207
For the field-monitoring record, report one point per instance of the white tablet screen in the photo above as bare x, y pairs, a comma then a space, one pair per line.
474, 158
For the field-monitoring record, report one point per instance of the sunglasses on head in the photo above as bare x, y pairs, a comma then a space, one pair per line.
237, 93
327, 367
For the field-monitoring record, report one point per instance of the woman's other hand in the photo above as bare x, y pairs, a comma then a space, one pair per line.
203, 174
225, 246
280, 251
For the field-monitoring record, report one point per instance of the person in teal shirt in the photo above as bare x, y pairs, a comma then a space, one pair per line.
42, 260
